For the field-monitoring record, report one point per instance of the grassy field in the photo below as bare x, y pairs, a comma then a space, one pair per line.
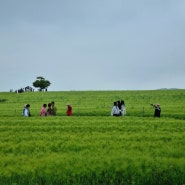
91, 147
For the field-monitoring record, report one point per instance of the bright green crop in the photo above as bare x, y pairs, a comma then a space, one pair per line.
91, 147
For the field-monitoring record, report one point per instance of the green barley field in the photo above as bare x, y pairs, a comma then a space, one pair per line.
91, 147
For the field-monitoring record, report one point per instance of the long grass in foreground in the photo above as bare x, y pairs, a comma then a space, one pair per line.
92, 150
92, 147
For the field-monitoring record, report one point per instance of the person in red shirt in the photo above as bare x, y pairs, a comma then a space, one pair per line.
69, 110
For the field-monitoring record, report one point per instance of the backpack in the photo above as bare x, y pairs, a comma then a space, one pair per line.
23, 111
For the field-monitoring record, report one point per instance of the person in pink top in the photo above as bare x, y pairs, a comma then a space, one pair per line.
43, 111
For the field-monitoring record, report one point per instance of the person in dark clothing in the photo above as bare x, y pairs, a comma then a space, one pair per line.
53, 109
49, 111
157, 112
119, 107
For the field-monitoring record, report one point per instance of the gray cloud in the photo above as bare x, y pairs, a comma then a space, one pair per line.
80, 45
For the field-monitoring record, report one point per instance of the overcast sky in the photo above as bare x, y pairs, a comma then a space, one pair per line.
93, 45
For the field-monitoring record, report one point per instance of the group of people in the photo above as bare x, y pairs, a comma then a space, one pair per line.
118, 108
21, 90
50, 111
46, 110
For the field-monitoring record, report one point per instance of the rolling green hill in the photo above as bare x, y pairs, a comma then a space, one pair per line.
91, 147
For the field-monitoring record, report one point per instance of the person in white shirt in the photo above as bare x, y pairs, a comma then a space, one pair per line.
123, 108
115, 110
26, 111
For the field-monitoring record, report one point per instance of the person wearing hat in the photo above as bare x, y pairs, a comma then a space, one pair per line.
157, 112
69, 110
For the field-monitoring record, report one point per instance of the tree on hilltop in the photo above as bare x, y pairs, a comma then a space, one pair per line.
41, 83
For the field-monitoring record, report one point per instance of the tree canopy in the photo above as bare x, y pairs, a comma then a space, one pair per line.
41, 83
